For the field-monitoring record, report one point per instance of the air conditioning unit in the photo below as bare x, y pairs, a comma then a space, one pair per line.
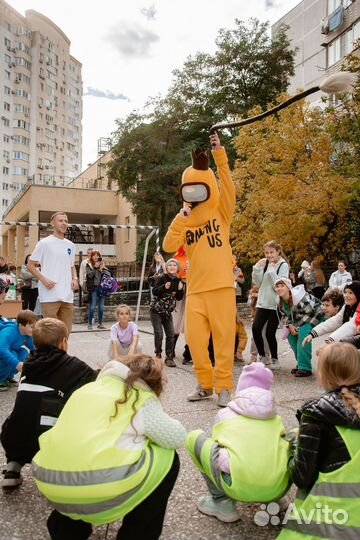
3, 118
325, 25
38, 128
13, 50
40, 106
47, 167
17, 81
26, 115
13, 64
40, 167
13, 92
8, 161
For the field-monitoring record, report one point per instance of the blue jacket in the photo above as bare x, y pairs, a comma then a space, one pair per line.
11, 349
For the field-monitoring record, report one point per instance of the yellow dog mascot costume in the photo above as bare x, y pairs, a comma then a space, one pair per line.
203, 225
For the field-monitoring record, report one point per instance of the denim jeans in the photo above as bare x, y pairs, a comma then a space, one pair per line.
160, 321
94, 297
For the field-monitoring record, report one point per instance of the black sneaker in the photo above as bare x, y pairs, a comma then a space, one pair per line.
11, 480
303, 373
3, 387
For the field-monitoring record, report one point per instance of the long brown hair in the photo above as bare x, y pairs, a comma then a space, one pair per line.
92, 254
319, 274
142, 368
339, 368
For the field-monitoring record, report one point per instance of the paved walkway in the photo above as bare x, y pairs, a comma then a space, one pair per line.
23, 513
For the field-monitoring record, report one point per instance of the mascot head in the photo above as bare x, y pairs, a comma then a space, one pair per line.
199, 189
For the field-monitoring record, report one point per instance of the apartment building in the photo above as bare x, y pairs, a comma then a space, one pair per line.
324, 32
40, 102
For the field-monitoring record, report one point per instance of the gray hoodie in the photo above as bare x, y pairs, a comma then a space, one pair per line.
265, 280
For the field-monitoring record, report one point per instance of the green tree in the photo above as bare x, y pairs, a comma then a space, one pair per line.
152, 148
290, 188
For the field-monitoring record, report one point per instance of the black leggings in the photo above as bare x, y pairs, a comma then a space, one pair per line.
263, 316
144, 521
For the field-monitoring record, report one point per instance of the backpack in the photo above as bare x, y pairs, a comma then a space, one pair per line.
165, 305
108, 285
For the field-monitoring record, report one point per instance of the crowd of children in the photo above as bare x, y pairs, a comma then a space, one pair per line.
102, 448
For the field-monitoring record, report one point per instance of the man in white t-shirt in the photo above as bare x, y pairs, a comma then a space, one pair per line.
57, 278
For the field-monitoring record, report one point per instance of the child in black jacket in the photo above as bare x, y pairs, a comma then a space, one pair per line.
167, 289
49, 377
325, 464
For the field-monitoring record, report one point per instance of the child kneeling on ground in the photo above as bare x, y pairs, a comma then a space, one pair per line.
111, 455
300, 311
49, 376
15, 344
326, 463
124, 335
246, 457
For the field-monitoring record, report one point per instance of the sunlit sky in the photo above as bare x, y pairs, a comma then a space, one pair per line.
129, 48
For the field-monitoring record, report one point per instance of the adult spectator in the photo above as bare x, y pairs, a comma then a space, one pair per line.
82, 269
28, 286
340, 278
95, 269
314, 280
3, 266
57, 278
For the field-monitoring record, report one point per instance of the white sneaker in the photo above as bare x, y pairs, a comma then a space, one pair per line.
224, 509
266, 360
275, 364
224, 398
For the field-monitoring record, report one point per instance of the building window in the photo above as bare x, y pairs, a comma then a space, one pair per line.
5, 202
6, 106
343, 44
5, 185
6, 138
7, 91
6, 121
127, 235
5, 170
334, 4
21, 155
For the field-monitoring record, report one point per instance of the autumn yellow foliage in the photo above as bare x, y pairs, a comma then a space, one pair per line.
289, 186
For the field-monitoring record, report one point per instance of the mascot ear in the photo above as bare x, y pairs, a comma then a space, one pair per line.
200, 159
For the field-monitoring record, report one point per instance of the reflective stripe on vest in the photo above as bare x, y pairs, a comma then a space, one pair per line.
321, 530
87, 478
102, 506
266, 479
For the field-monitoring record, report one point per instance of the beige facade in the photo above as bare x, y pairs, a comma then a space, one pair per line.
324, 31
92, 205
41, 91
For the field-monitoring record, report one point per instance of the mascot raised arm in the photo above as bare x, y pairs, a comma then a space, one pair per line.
203, 225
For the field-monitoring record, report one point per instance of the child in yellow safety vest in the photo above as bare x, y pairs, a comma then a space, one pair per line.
111, 455
232, 461
326, 462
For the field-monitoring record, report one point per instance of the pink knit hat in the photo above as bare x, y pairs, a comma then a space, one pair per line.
255, 374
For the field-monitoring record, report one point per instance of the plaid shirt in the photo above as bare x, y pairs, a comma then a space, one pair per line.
307, 311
